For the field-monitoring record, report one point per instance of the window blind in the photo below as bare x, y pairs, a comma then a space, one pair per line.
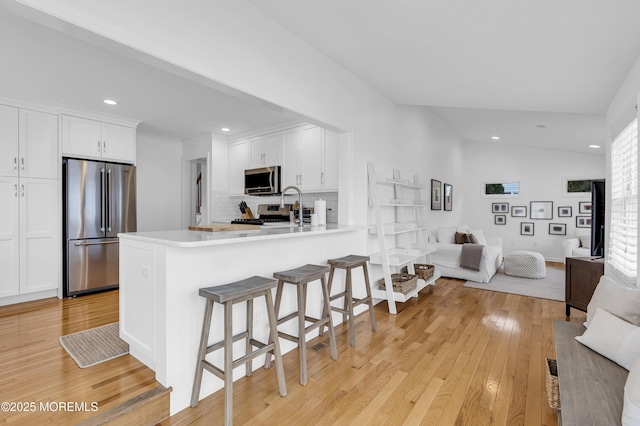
623, 235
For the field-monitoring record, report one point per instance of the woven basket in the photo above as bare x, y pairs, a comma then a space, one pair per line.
551, 383
424, 271
402, 283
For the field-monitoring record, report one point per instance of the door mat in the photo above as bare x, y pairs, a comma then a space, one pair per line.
96, 345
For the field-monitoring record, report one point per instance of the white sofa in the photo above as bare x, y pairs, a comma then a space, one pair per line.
447, 255
578, 246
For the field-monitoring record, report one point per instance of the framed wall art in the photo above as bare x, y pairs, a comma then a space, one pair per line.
565, 211
500, 219
583, 221
448, 197
584, 207
436, 195
499, 207
518, 211
526, 228
541, 210
557, 229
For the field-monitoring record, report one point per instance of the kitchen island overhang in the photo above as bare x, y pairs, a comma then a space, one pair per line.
161, 272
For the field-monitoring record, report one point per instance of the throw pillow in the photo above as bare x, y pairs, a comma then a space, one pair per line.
447, 235
631, 404
462, 238
613, 338
478, 237
621, 301
463, 229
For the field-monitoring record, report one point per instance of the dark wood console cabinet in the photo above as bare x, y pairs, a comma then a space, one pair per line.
582, 276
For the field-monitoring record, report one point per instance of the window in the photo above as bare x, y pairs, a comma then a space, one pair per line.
623, 236
498, 189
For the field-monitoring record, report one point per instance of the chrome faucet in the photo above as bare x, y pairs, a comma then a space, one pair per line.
300, 224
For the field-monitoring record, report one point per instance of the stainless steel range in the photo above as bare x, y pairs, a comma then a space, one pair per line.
269, 214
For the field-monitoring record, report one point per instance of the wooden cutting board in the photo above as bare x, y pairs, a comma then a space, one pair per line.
221, 228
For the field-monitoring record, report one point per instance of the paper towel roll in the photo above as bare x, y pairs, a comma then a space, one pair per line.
320, 208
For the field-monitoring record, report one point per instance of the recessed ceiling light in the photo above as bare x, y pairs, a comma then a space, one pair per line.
594, 146
110, 102
225, 129
541, 126
495, 138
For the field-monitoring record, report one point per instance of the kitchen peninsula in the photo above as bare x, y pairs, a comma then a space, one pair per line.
161, 312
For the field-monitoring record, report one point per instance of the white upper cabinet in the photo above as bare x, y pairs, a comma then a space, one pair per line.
266, 150
310, 159
238, 162
28, 143
38, 144
86, 138
9, 156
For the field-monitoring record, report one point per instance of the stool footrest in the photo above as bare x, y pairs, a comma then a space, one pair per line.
338, 296
212, 369
288, 318
220, 344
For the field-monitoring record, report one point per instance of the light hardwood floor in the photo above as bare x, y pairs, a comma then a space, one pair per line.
453, 356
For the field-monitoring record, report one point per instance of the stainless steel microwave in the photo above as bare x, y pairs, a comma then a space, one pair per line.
262, 181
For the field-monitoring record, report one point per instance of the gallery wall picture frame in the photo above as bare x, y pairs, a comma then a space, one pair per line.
518, 211
526, 228
448, 197
557, 229
584, 207
565, 211
436, 194
500, 219
541, 210
583, 221
499, 207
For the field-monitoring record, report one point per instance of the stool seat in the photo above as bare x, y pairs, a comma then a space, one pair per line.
350, 261
238, 290
304, 273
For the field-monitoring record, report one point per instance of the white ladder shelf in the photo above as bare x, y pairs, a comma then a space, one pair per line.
406, 254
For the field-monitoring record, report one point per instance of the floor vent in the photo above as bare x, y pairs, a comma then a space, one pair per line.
318, 346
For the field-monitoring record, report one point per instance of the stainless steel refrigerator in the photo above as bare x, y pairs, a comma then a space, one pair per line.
99, 202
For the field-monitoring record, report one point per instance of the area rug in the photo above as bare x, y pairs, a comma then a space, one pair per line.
550, 287
96, 345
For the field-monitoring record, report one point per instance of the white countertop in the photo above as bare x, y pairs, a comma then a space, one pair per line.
187, 238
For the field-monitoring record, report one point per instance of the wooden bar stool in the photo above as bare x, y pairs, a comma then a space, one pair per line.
348, 263
300, 277
228, 295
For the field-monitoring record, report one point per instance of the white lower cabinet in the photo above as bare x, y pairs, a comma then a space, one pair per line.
29, 248
238, 162
9, 237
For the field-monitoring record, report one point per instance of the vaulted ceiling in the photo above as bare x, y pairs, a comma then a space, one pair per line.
488, 68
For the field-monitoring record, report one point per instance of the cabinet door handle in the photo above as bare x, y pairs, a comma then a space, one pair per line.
22, 188
99, 147
322, 177
16, 190
15, 163
22, 163
104, 146
301, 179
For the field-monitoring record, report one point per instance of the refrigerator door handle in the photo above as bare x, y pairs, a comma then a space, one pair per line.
102, 206
94, 243
108, 200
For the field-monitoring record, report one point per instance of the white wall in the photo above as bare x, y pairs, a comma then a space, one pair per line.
158, 177
540, 173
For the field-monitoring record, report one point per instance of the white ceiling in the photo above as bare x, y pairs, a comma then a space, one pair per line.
496, 67
41, 64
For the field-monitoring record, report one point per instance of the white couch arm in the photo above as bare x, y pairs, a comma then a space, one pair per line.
493, 241
568, 245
